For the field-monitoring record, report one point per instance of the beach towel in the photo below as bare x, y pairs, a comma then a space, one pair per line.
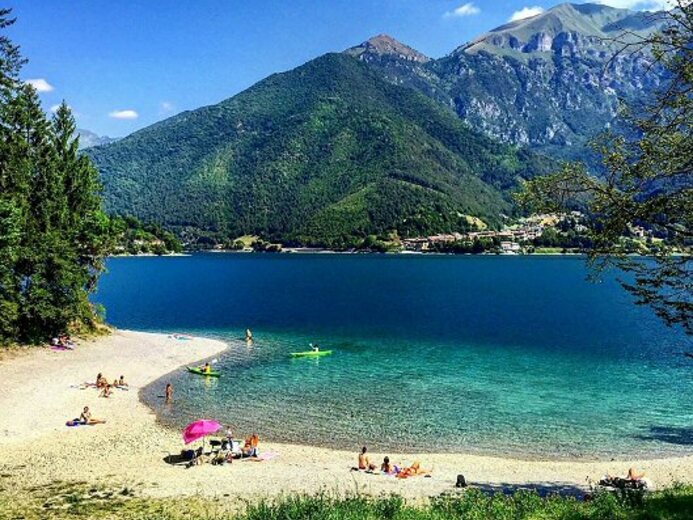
267, 455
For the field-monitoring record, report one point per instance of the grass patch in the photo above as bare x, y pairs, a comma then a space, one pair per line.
79, 500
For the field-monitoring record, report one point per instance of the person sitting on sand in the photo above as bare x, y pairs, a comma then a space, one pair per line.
122, 383
364, 462
169, 392
65, 341
106, 391
413, 471
251, 446
86, 418
388, 468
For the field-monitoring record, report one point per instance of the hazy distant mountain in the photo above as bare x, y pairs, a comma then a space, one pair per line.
88, 138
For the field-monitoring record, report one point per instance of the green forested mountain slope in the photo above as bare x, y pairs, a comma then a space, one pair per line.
324, 154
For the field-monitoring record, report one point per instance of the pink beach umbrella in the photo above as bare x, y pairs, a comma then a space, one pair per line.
200, 429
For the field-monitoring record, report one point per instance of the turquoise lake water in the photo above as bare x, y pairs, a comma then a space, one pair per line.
507, 355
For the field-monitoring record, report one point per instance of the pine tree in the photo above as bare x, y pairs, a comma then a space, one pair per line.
14, 185
53, 231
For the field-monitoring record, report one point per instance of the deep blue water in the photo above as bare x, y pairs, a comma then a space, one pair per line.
516, 355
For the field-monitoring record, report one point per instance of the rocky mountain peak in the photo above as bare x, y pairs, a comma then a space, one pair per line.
385, 45
564, 29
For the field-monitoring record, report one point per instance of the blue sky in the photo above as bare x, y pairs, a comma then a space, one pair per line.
123, 65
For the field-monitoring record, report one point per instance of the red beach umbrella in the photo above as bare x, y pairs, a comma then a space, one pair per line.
199, 429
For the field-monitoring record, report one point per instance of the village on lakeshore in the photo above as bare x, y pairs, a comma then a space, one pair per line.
544, 233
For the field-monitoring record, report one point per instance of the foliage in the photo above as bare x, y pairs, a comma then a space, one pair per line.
53, 232
322, 155
63, 501
648, 182
130, 236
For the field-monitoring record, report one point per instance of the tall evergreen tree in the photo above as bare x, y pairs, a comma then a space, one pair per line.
14, 184
53, 231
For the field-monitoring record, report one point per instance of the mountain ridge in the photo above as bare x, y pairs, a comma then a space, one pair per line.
325, 154
379, 139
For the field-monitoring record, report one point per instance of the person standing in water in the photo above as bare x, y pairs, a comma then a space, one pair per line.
169, 392
248, 335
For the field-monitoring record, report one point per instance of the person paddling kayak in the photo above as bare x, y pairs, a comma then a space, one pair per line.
314, 348
207, 368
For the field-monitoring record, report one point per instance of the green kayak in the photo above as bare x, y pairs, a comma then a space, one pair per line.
311, 353
200, 372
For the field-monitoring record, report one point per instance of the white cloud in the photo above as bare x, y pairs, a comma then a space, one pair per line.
124, 114
468, 9
54, 108
642, 5
40, 84
526, 12
166, 107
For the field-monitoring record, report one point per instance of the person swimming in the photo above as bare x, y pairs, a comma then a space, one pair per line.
364, 461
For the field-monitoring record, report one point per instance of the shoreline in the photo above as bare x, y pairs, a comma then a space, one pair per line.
413, 454
36, 399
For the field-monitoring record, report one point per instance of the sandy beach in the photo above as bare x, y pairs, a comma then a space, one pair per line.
37, 396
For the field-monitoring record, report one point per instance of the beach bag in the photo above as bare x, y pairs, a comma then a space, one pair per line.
461, 482
187, 454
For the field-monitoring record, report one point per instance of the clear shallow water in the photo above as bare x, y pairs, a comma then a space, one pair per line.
515, 355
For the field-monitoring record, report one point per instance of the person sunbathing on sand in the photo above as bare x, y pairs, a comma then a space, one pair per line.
634, 475
364, 462
413, 470
106, 391
86, 418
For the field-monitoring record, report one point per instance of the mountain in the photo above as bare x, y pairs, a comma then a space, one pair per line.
325, 154
550, 82
381, 138
88, 138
